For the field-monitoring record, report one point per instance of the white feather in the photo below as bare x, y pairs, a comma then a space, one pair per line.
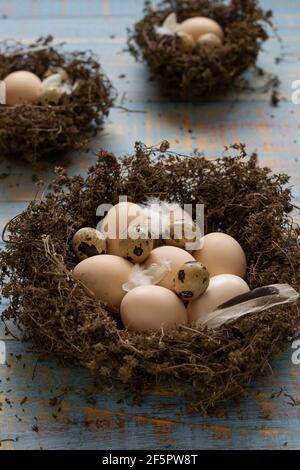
254, 301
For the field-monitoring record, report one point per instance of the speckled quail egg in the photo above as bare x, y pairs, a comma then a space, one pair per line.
136, 245
191, 280
88, 242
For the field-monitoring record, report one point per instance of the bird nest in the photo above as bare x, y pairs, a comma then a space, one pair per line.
208, 365
33, 131
202, 71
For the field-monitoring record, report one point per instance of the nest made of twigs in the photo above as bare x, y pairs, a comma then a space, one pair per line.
242, 199
204, 71
36, 130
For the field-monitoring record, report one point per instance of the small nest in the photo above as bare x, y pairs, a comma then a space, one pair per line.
242, 199
33, 131
204, 71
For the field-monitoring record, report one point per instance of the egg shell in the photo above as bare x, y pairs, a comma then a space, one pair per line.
88, 242
136, 247
117, 220
152, 308
222, 254
22, 88
175, 256
188, 41
210, 39
191, 280
200, 25
221, 289
104, 276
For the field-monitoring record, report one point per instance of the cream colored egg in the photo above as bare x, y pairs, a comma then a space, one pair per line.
209, 39
200, 25
222, 254
22, 88
181, 230
152, 308
104, 276
188, 42
221, 289
118, 218
88, 242
176, 257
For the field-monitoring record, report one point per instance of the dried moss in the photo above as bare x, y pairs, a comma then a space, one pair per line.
204, 71
34, 131
242, 199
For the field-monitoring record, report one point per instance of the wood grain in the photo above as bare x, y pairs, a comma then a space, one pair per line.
30, 415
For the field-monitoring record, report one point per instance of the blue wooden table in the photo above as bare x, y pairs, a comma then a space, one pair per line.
45, 405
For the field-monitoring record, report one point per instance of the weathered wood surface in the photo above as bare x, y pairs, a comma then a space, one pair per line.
95, 421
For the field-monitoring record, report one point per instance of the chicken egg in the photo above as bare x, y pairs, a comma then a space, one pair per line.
176, 257
191, 280
221, 289
200, 25
88, 242
136, 246
222, 254
22, 87
187, 40
210, 39
118, 218
152, 308
104, 276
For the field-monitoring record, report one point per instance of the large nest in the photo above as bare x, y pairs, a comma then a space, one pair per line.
34, 130
204, 71
242, 199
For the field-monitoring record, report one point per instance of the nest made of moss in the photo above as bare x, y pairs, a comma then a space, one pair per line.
242, 199
204, 71
36, 130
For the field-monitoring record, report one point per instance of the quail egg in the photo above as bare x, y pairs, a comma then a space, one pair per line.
191, 280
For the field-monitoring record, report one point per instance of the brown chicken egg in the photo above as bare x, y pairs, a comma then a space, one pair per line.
221, 289
88, 242
176, 257
22, 87
152, 308
104, 276
222, 254
199, 25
